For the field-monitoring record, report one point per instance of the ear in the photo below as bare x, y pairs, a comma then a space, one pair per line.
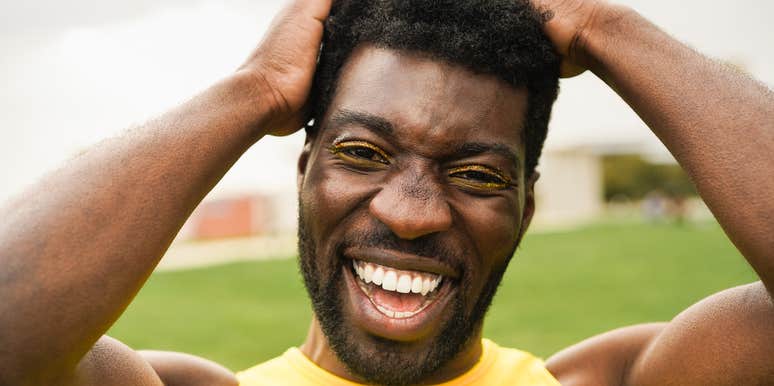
303, 160
529, 203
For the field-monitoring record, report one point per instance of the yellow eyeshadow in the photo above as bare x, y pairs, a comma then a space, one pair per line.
337, 148
483, 169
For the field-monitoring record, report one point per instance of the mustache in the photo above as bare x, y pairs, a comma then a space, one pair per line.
431, 246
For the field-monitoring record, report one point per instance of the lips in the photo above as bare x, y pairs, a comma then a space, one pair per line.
392, 300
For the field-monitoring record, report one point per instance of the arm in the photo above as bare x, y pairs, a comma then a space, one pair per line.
717, 122
177, 369
602, 359
725, 339
78, 246
719, 125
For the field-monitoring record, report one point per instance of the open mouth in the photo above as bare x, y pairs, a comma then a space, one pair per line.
395, 293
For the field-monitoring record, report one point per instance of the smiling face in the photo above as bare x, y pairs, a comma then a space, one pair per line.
412, 200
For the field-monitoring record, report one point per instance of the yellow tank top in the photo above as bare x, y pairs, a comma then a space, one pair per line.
497, 366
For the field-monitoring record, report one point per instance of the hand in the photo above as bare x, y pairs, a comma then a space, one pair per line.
568, 28
284, 63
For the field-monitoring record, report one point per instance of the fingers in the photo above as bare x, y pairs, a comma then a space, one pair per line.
569, 70
318, 9
285, 61
564, 21
294, 36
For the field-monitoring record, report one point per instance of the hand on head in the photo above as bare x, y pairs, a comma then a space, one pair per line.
283, 64
569, 22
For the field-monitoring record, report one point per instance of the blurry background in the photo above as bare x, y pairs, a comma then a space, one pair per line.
619, 237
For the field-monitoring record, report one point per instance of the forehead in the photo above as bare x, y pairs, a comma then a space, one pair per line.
430, 103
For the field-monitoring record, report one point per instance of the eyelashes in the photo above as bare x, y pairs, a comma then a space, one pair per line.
367, 156
360, 152
479, 176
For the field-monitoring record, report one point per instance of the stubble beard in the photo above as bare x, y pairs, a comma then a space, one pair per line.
379, 360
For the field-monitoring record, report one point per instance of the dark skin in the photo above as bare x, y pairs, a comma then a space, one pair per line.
90, 228
417, 178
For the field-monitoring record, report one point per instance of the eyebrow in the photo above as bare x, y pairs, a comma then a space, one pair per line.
471, 149
371, 122
383, 127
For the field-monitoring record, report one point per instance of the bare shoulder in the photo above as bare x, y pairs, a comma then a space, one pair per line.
603, 359
178, 369
112, 363
725, 339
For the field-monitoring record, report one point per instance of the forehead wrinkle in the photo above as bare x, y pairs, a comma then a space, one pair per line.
441, 117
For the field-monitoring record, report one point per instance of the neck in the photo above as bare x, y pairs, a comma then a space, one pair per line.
317, 349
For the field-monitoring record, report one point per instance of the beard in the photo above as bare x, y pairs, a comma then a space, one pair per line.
375, 359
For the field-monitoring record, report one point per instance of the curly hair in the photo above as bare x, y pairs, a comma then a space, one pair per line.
503, 38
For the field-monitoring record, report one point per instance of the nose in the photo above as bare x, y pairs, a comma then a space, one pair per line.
412, 206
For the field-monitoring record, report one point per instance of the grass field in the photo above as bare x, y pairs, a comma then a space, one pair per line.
560, 288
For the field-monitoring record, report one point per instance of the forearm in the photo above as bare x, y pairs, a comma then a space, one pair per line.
77, 247
717, 122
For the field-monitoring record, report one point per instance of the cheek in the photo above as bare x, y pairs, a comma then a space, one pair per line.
330, 197
493, 225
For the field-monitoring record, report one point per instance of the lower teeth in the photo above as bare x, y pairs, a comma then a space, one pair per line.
397, 314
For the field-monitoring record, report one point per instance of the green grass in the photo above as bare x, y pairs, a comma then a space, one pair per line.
560, 288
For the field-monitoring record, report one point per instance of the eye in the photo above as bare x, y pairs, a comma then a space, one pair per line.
479, 177
360, 152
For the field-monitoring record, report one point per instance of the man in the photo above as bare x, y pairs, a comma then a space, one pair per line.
415, 187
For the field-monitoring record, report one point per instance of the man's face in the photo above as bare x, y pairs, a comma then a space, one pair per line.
412, 200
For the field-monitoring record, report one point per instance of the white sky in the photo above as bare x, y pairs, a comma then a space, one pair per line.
72, 73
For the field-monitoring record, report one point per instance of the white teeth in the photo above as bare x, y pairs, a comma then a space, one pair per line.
391, 279
394, 280
416, 285
368, 274
404, 284
378, 276
425, 286
390, 282
385, 311
397, 314
434, 284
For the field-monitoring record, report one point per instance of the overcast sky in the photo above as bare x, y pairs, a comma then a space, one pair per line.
74, 72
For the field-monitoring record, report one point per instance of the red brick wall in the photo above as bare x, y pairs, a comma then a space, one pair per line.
234, 217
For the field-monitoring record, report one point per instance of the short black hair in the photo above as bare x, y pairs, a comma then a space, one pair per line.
503, 38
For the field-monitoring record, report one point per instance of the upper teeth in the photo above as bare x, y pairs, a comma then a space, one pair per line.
391, 279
